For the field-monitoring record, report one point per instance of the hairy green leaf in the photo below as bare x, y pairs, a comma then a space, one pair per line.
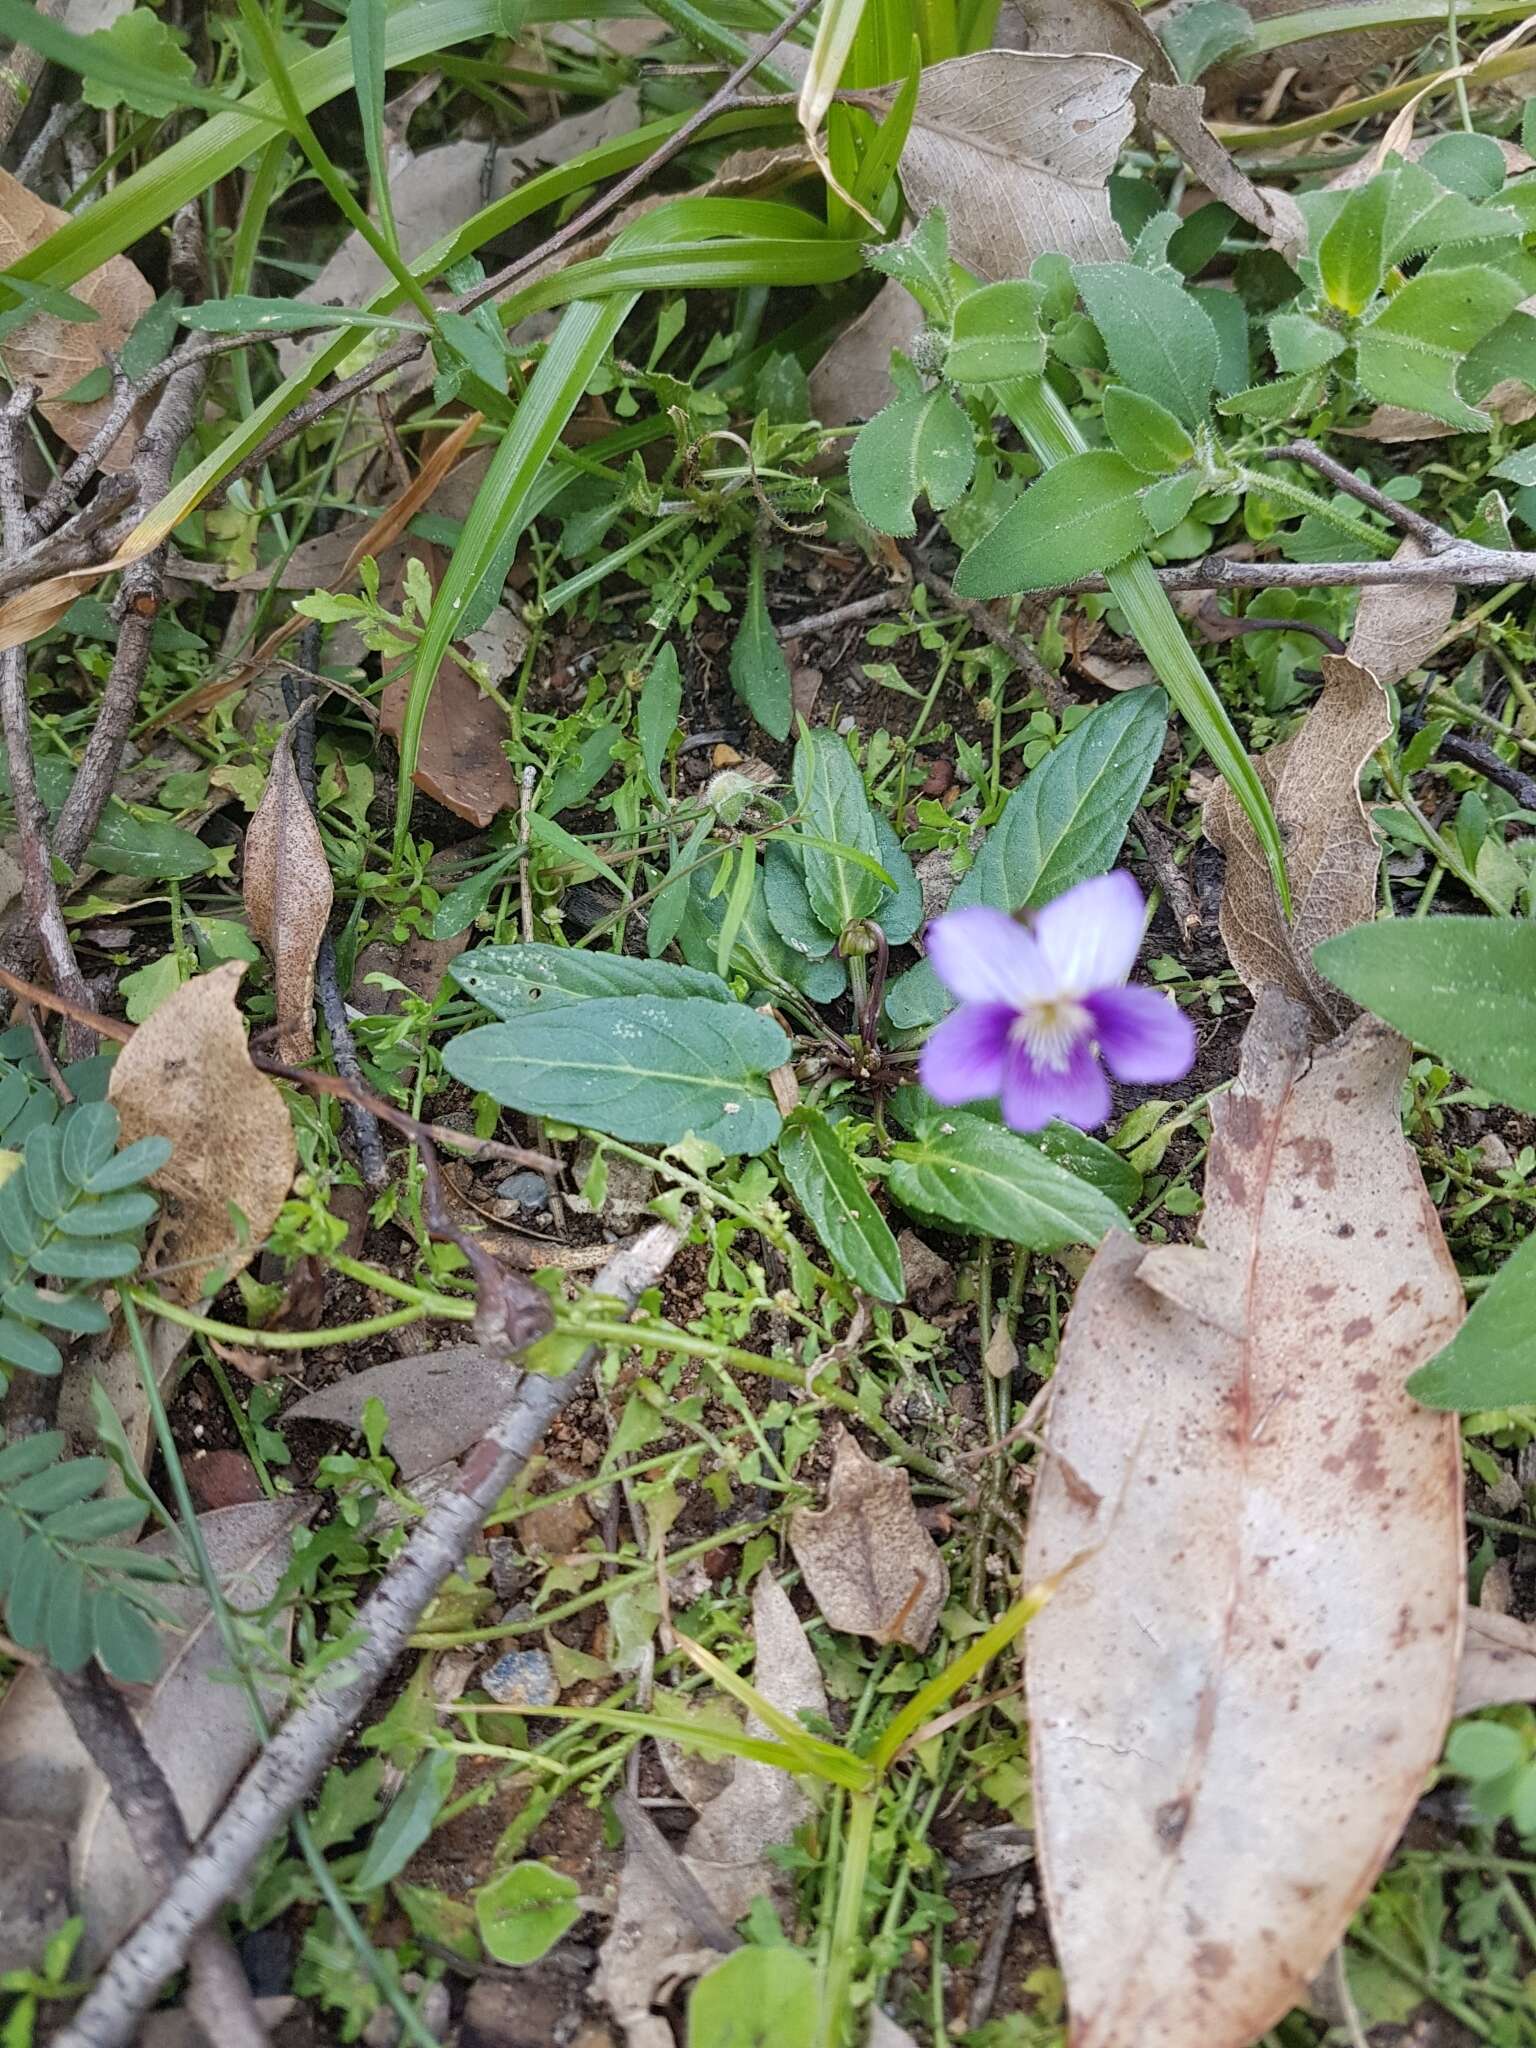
1082, 516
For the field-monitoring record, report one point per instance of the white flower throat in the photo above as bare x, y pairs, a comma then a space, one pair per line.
1048, 1029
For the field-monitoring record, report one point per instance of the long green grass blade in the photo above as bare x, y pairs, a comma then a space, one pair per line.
1280, 29
366, 23
1053, 435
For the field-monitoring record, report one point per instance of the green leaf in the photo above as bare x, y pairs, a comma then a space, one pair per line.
1282, 398
1519, 468
90, 1136
841, 1209
28, 1349
125, 1643
573, 851
138, 62
1144, 432
85, 1260
124, 844
656, 715
1470, 164
1199, 36
760, 953
1066, 821
900, 909
580, 773
830, 793
92, 1521
116, 1216
1465, 987
1300, 343
789, 905
1484, 1749
408, 1823
756, 1998
76, 1313
525, 1911
1090, 1159
1352, 256
475, 339
1158, 338
134, 1163
29, 1454
27, 1602
464, 903
738, 897
995, 335
244, 314
915, 447
68, 1635
59, 1485
365, 25
989, 1181
759, 672
1410, 352
47, 1188
638, 1068
1168, 501
513, 981
1083, 515
921, 263
1491, 1361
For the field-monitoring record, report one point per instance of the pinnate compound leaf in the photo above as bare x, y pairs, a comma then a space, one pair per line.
1065, 822
1222, 1767
638, 1067
1082, 516
991, 1182
522, 1913
1331, 852
513, 981
1409, 353
1465, 987
869, 1564
841, 1209
918, 447
1158, 339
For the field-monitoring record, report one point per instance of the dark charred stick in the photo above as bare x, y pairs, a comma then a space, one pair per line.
220, 1995
1469, 753
1219, 626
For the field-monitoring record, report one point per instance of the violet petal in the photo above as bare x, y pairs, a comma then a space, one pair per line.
965, 1055
1092, 934
982, 956
1142, 1035
1077, 1093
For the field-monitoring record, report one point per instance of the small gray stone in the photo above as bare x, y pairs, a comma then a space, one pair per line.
522, 1678
529, 1190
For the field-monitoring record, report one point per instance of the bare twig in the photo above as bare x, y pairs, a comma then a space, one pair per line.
1171, 878
82, 544
406, 350
40, 894
1463, 562
220, 1997
1019, 652
1218, 626
843, 614
1432, 538
291, 1765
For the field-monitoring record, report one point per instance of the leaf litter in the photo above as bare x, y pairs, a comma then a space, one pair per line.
870, 1565
288, 895
1226, 1744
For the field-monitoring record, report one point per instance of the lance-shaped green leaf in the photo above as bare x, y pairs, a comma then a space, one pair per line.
841, 1209
661, 697
1064, 822
759, 672
512, 981
1147, 434
1158, 339
1082, 516
829, 791
637, 1067
996, 334
1352, 256
759, 952
989, 1181
915, 447
1491, 1360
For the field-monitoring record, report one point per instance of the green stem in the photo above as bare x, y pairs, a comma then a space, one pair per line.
295, 1340
1270, 484
862, 1808
1053, 435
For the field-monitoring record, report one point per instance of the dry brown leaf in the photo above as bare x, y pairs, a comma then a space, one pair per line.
437, 1403
186, 1075
1326, 63
1111, 28
1178, 111
869, 1564
288, 894
1237, 1697
1395, 629
1330, 851
651, 1944
55, 354
1016, 149
1498, 1662
461, 763
853, 379
198, 1731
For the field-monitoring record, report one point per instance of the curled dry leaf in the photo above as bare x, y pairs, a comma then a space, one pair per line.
461, 764
869, 1564
1236, 1698
654, 1942
199, 1731
186, 1075
1111, 28
56, 354
288, 896
1498, 1662
1017, 149
1178, 111
1396, 630
1330, 850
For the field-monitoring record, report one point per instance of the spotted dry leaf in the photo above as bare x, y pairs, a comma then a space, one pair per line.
1236, 1699
1331, 853
1397, 627
288, 894
869, 1564
186, 1075
1498, 1662
56, 354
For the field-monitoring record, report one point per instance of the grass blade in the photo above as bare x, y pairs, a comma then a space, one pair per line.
366, 21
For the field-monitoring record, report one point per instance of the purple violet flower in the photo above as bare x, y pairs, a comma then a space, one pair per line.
1042, 999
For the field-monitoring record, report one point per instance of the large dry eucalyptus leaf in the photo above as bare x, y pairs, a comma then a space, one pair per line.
198, 1730
462, 763
653, 1943
1236, 1698
1111, 28
438, 1403
1330, 851
1016, 149
869, 1564
288, 895
56, 354
1498, 1662
186, 1075
853, 379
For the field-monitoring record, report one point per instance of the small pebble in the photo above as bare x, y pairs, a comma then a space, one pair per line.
529, 1190
522, 1678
